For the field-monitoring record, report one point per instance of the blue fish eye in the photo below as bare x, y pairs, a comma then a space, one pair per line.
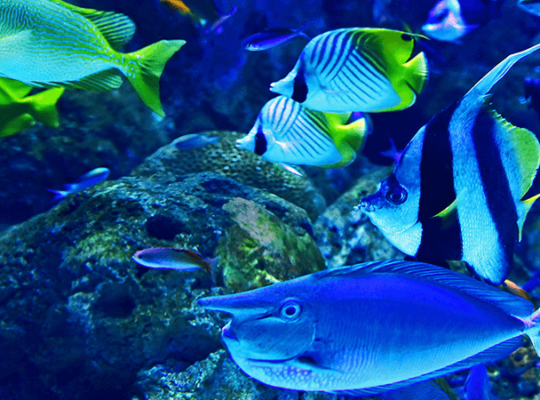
397, 195
290, 310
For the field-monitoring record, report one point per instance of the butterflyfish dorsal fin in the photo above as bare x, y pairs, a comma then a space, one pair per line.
118, 29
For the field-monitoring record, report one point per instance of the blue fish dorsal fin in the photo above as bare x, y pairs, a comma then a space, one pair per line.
118, 29
509, 303
484, 85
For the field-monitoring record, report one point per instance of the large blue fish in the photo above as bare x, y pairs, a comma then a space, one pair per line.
459, 191
371, 328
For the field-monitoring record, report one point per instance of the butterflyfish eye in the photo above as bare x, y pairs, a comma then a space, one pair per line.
290, 310
397, 195
260, 143
406, 37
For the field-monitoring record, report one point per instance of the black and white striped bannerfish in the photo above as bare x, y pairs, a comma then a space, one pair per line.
357, 69
458, 191
289, 134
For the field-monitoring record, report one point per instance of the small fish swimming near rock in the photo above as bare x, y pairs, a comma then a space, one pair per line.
458, 190
18, 111
202, 12
273, 37
194, 141
84, 182
287, 133
371, 328
86, 58
357, 69
173, 258
450, 20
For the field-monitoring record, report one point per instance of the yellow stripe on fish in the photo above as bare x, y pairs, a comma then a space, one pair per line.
357, 69
46, 43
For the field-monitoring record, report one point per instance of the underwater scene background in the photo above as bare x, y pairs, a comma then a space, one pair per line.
79, 319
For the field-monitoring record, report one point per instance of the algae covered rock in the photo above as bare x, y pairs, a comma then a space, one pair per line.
259, 249
80, 319
245, 167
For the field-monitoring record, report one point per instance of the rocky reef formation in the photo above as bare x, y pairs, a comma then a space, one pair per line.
80, 319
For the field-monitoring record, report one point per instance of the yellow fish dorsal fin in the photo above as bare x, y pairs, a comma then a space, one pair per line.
16, 125
118, 29
11, 91
528, 204
43, 106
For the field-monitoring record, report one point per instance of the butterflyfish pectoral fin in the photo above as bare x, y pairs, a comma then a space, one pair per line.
291, 169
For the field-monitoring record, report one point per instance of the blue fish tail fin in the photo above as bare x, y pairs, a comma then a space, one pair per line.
485, 84
58, 194
533, 323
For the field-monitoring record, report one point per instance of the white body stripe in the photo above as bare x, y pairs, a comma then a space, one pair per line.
478, 230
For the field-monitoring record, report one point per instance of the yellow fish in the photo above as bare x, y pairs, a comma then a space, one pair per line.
46, 43
19, 111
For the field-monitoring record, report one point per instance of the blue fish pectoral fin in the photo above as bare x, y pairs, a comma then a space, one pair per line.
497, 352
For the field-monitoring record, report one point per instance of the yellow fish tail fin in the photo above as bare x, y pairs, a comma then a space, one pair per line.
416, 74
354, 133
150, 64
43, 106
16, 125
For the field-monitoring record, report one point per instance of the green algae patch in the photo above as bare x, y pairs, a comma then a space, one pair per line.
103, 246
259, 249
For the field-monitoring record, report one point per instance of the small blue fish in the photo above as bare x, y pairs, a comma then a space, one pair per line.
450, 20
194, 141
273, 37
89, 179
172, 258
372, 328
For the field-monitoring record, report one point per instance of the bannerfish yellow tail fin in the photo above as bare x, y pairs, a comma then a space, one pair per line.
43, 106
151, 63
528, 204
16, 125
416, 73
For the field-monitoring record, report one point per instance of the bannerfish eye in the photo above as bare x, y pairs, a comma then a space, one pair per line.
397, 195
290, 310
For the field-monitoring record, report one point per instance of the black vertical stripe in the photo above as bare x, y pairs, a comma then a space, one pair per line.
439, 239
495, 183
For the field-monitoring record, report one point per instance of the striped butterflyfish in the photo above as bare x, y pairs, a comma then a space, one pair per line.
289, 134
460, 189
357, 69
45, 43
